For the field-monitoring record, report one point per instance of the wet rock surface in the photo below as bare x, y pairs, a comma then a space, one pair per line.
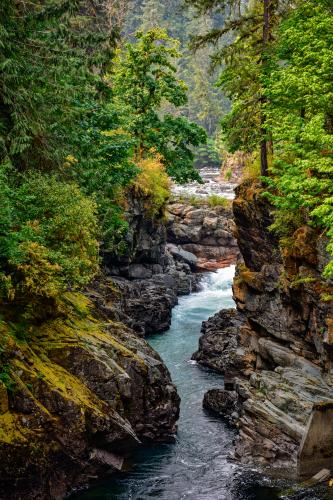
206, 232
218, 344
276, 349
148, 277
145, 305
86, 391
164, 259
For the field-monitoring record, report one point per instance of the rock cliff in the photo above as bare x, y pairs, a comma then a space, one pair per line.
206, 232
276, 348
147, 276
77, 394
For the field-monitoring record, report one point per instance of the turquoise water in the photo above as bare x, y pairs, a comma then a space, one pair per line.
196, 466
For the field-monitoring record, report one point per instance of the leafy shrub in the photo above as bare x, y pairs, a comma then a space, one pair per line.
215, 200
153, 184
228, 174
252, 167
47, 240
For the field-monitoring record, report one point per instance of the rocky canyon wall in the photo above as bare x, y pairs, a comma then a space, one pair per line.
163, 259
79, 392
205, 231
276, 348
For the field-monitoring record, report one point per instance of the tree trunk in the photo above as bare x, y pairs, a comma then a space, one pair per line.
264, 141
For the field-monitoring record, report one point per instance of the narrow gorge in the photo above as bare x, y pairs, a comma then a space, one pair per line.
166, 249
274, 362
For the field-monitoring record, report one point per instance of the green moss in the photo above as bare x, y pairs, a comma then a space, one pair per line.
326, 297
38, 366
298, 281
218, 201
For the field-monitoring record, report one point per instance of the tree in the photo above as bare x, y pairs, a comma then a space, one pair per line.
300, 117
206, 103
144, 79
57, 125
246, 57
49, 52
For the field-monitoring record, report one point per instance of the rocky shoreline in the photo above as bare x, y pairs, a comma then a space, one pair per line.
275, 350
87, 389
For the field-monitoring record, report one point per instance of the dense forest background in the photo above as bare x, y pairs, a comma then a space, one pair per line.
104, 100
206, 103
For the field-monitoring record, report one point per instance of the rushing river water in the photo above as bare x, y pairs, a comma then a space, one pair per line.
196, 466
212, 184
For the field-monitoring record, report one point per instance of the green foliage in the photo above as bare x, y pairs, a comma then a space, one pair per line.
6, 378
215, 200
252, 167
153, 184
48, 243
301, 120
144, 79
46, 51
206, 103
103, 167
247, 37
277, 69
228, 174
208, 155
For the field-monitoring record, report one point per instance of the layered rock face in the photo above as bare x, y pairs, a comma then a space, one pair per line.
276, 350
163, 259
147, 275
79, 394
206, 232
144, 305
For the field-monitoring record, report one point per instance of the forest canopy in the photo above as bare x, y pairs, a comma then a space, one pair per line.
100, 100
81, 124
277, 60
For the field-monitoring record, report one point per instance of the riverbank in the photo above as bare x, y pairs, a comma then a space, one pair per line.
275, 352
196, 465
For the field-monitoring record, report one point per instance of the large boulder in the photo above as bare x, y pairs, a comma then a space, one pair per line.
81, 393
184, 256
206, 232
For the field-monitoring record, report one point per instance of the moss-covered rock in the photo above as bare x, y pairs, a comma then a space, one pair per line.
77, 384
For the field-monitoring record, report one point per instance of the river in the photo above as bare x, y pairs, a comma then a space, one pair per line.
196, 466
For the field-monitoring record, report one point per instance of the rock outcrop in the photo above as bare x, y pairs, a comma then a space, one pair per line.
206, 232
276, 350
77, 394
219, 342
148, 276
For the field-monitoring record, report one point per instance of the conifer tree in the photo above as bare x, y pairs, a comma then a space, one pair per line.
246, 39
144, 79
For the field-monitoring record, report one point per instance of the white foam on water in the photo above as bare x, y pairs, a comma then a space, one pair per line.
212, 184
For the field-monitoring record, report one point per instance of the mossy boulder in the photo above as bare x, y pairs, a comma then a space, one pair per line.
78, 384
